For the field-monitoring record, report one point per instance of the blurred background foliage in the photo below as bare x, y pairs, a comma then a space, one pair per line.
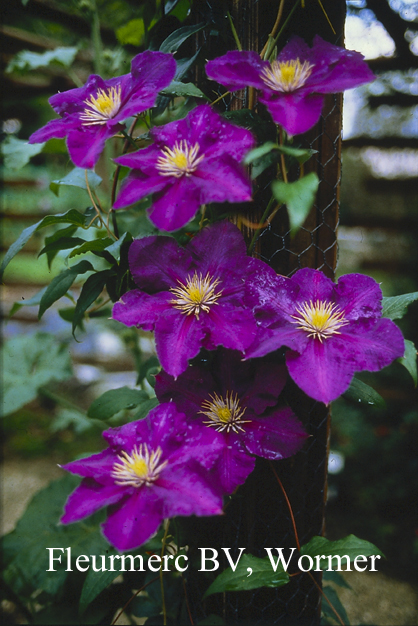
53, 45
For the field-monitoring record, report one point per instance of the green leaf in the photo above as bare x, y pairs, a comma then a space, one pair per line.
62, 243
332, 596
260, 151
183, 89
409, 360
30, 362
359, 392
34, 301
351, 546
115, 400
17, 152
25, 550
70, 217
132, 33
76, 178
394, 308
115, 248
262, 575
26, 60
95, 583
63, 233
179, 36
91, 290
335, 577
298, 197
144, 408
96, 245
61, 284
301, 155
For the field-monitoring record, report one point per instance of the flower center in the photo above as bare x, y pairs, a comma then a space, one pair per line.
141, 467
286, 76
102, 108
319, 320
198, 294
180, 160
224, 413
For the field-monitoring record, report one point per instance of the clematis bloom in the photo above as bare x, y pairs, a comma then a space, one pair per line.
93, 113
193, 161
237, 402
153, 469
332, 330
192, 297
293, 85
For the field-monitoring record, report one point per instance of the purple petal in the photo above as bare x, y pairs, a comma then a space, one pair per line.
132, 523
234, 466
276, 436
185, 491
322, 372
178, 338
219, 250
135, 187
266, 386
177, 205
97, 466
313, 285
54, 128
188, 391
237, 70
85, 146
370, 345
74, 100
158, 263
232, 328
358, 296
295, 112
225, 181
88, 498
136, 308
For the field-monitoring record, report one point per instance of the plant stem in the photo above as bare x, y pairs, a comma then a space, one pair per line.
283, 27
274, 29
234, 32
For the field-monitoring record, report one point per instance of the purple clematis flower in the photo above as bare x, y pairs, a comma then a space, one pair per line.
332, 330
234, 400
292, 86
93, 113
153, 469
192, 297
193, 161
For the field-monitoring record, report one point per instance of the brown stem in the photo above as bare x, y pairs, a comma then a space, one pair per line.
275, 28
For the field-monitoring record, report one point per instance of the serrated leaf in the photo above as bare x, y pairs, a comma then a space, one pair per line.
96, 245
176, 88
351, 546
359, 392
179, 36
115, 400
395, 307
30, 362
61, 284
298, 197
17, 152
409, 360
70, 217
26, 60
332, 596
262, 575
132, 33
76, 178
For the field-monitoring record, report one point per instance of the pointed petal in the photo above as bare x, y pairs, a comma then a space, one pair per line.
276, 436
137, 308
88, 498
178, 338
237, 70
296, 112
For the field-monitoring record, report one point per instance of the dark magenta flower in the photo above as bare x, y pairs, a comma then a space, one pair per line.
291, 87
332, 330
192, 297
153, 469
93, 113
237, 402
192, 162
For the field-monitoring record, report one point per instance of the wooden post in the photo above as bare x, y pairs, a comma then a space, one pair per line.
258, 517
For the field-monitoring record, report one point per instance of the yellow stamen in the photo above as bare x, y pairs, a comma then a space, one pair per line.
181, 160
198, 294
224, 413
319, 320
141, 467
286, 76
102, 108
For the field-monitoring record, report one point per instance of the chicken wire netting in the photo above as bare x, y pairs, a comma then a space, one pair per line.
257, 516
